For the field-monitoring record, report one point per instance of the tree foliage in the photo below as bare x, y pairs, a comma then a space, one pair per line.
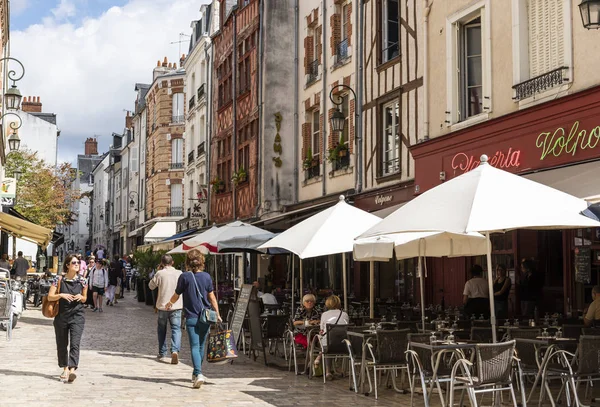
44, 193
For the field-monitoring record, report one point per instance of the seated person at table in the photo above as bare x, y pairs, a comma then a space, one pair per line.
333, 316
476, 294
306, 315
592, 316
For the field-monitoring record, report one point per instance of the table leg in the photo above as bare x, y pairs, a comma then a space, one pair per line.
363, 367
544, 387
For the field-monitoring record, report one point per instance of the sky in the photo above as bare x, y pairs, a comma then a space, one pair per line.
84, 57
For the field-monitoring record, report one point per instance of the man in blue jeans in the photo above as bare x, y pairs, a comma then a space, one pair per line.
165, 280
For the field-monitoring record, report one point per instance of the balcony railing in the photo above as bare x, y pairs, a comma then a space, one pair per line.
191, 157
200, 92
200, 149
540, 83
312, 172
176, 166
313, 71
176, 211
192, 103
341, 163
342, 49
390, 52
176, 119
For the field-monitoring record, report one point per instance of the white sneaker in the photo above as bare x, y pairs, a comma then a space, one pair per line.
198, 382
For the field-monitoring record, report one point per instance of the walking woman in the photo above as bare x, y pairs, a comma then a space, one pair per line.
91, 266
70, 291
198, 295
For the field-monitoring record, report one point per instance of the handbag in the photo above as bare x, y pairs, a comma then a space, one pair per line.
221, 346
50, 308
207, 315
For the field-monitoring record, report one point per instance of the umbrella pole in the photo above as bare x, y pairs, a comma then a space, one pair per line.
372, 289
216, 279
301, 279
422, 289
491, 286
291, 265
345, 282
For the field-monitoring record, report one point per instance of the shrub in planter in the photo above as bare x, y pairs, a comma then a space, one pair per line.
141, 291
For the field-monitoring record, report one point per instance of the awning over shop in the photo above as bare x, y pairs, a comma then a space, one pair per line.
181, 235
161, 231
579, 180
136, 231
24, 229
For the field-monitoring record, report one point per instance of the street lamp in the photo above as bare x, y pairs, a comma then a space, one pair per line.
590, 13
17, 174
12, 101
12, 98
338, 120
14, 142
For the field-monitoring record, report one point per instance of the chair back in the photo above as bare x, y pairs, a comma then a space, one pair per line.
481, 322
481, 334
525, 351
589, 354
572, 330
423, 354
595, 331
494, 362
276, 326
391, 346
336, 333
412, 326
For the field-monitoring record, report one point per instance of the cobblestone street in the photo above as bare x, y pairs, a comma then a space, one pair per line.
118, 367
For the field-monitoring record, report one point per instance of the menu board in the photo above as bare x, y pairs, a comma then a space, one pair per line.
241, 307
583, 264
247, 302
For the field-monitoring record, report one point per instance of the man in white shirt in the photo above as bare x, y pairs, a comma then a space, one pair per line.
476, 294
166, 282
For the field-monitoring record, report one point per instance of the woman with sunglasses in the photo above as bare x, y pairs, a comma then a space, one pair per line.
70, 291
307, 315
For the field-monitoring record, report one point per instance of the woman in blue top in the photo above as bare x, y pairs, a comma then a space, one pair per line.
198, 295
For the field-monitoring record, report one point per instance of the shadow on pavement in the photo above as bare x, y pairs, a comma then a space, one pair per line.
172, 382
36, 321
9, 372
127, 355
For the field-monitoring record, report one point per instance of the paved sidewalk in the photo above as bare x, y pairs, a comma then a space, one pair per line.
118, 367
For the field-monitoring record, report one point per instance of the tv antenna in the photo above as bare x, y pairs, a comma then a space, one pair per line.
181, 40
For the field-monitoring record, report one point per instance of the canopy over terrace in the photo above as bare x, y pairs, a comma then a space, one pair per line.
469, 203
330, 231
24, 229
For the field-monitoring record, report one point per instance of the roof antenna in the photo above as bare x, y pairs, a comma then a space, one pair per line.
181, 40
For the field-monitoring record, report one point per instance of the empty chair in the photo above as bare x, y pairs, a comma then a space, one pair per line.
389, 355
335, 345
274, 331
481, 334
572, 330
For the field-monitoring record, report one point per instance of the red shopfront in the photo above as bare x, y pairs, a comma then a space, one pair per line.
556, 143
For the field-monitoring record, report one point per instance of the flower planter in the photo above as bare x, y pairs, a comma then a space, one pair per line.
148, 294
343, 153
141, 291
242, 178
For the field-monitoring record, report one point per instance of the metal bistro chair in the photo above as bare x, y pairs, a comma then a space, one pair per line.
492, 371
274, 332
389, 354
481, 334
586, 361
355, 349
336, 346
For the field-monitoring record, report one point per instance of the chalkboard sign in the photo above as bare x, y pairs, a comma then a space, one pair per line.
247, 302
583, 264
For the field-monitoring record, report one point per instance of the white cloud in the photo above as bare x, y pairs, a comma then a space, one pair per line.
86, 73
65, 9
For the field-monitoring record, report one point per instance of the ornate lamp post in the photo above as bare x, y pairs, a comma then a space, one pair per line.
590, 13
12, 101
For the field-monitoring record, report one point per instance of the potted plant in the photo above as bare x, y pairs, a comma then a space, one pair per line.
239, 176
217, 185
147, 261
308, 160
339, 151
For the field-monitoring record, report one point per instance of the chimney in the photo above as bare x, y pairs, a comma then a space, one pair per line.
31, 104
91, 146
128, 121
181, 60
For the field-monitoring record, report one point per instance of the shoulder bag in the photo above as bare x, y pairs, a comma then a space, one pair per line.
50, 308
207, 315
221, 346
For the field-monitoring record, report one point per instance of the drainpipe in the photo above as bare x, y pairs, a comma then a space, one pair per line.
324, 99
259, 171
234, 110
426, 10
359, 103
208, 138
296, 95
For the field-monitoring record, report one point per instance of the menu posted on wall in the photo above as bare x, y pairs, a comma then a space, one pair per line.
583, 264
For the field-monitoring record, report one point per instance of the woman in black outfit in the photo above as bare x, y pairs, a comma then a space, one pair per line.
70, 291
501, 291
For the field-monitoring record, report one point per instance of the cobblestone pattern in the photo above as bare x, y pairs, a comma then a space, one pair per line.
118, 367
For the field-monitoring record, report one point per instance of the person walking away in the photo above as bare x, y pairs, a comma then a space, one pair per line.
530, 288
91, 265
476, 294
117, 266
5, 264
114, 274
198, 295
100, 254
128, 273
99, 282
501, 291
82, 265
166, 282
20, 265
70, 291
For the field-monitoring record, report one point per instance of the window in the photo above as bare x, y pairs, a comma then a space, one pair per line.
224, 76
316, 135
390, 163
471, 69
189, 203
178, 108
345, 22
176, 200
134, 159
177, 151
191, 137
244, 65
390, 29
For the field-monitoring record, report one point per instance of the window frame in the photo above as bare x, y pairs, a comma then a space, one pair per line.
464, 92
384, 45
396, 141
315, 133
178, 157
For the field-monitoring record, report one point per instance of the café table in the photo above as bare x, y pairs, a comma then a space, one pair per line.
365, 336
548, 344
438, 349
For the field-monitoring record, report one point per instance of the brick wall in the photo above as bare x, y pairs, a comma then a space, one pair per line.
336, 26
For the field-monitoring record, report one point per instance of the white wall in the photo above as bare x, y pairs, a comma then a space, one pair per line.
38, 135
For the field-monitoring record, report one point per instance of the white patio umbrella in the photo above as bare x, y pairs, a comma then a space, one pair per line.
419, 244
472, 203
330, 231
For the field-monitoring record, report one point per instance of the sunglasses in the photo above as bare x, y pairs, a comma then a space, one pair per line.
311, 301
75, 262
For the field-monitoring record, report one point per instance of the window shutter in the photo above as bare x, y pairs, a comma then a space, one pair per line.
336, 22
319, 39
546, 36
333, 138
306, 127
349, 24
459, 80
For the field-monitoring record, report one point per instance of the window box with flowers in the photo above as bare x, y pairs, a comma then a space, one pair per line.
218, 186
338, 152
240, 176
310, 161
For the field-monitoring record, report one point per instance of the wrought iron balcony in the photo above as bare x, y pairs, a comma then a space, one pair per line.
176, 211
176, 166
192, 103
200, 149
191, 157
312, 172
177, 119
200, 92
313, 71
540, 83
342, 50
341, 163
